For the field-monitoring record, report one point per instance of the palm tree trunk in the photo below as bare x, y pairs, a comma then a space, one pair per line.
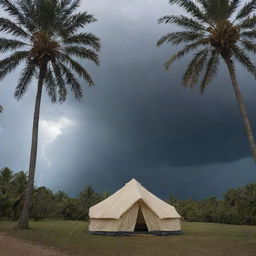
23, 221
242, 107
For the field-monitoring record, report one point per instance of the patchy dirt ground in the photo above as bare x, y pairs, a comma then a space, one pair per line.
10, 246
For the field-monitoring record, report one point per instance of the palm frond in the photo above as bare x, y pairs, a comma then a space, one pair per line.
73, 6
234, 5
249, 23
183, 21
46, 15
216, 10
64, 4
244, 59
83, 53
10, 63
176, 38
86, 39
78, 21
50, 85
24, 80
10, 44
13, 10
249, 46
191, 8
246, 10
251, 34
204, 4
78, 69
70, 79
67, 7
30, 12
211, 69
8, 26
185, 50
195, 68
62, 91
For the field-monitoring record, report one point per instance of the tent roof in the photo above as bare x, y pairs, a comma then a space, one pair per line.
117, 204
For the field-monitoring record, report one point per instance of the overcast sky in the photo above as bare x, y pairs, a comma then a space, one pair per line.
138, 121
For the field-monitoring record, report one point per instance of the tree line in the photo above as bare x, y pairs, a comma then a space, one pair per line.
238, 206
45, 203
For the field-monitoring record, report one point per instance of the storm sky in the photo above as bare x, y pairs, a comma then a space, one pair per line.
138, 121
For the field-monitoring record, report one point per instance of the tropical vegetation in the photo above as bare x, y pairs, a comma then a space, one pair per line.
238, 206
45, 203
216, 30
46, 36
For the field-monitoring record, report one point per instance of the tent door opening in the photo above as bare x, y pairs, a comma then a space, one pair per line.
140, 222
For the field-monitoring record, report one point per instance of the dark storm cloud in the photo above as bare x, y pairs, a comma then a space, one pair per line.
138, 121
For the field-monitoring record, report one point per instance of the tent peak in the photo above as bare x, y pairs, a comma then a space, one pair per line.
133, 181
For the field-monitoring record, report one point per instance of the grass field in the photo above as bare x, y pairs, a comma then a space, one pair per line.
198, 239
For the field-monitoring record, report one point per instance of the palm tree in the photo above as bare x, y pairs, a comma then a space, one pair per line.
49, 36
1, 108
6, 176
217, 30
17, 191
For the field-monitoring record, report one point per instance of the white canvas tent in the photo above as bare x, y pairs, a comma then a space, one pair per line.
133, 208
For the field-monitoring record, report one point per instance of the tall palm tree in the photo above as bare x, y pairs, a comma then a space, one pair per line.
49, 39
217, 30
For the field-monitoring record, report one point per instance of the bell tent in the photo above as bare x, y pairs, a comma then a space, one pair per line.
133, 208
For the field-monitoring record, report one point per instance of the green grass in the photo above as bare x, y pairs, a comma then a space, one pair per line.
199, 239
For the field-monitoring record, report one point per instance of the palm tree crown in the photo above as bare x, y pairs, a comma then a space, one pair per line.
49, 36
216, 28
